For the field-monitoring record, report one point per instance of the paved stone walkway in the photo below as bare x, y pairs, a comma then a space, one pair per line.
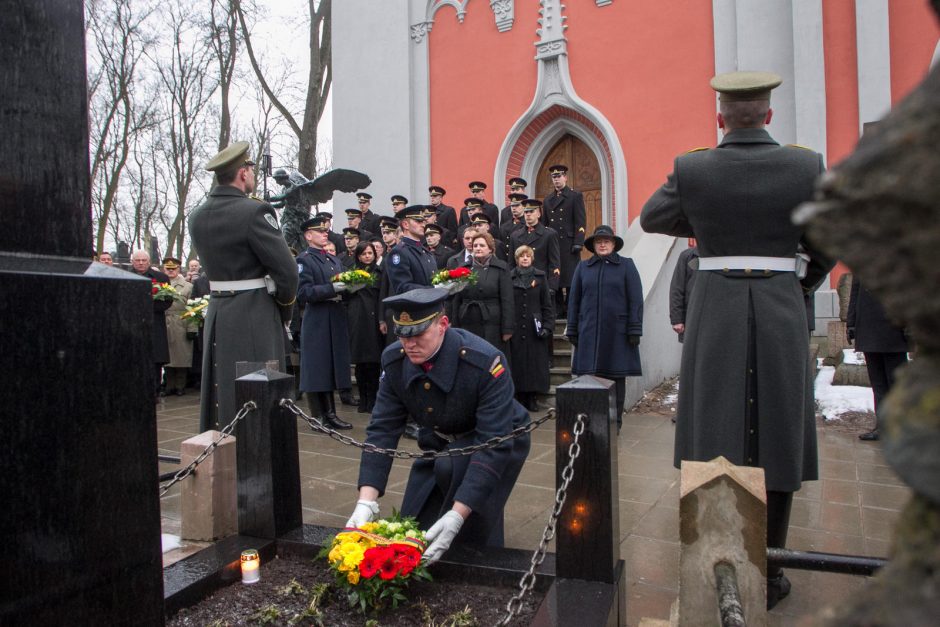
851, 509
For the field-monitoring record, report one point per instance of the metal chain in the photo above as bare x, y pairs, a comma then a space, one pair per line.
226, 431
316, 425
528, 580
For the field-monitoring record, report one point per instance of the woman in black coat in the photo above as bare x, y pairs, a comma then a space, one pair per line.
486, 307
366, 342
605, 314
530, 345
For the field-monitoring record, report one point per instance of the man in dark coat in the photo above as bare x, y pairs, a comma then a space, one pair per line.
457, 387
478, 192
410, 265
432, 237
446, 215
680, 288
883, 344
324, 336
351, 239
517, 186
563, 210
511, 222
746, 389
370, 220
354, 221
140, 263
541, 239
240, 245
463, 256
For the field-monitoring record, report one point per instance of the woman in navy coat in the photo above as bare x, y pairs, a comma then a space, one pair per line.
605, 314
324, 336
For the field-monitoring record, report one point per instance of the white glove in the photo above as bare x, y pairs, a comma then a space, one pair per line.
441, 535
338, 287
364, 512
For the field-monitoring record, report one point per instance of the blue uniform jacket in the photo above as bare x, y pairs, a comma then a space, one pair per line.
469, 393
324, 335
409, 265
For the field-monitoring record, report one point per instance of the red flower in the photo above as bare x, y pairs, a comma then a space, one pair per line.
371, 561
407, 557
459, 273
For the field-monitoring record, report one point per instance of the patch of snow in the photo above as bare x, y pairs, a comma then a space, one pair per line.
170, 542
834, 400
671, 399
851, 357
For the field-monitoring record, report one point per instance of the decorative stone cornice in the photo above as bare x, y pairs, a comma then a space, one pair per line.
420, 30
552, 42
504, 13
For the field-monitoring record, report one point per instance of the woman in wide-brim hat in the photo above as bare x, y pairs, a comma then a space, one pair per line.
605, 314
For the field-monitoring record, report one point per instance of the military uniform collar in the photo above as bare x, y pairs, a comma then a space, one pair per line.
748, 136
444, 372
407, 241
227, 190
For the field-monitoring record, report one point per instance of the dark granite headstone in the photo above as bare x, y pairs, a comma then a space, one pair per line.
80, 527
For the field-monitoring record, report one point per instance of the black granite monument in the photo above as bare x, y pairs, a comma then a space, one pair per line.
80, 528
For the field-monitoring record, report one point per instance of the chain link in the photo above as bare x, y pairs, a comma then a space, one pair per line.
316, 425
528, 580
226, 431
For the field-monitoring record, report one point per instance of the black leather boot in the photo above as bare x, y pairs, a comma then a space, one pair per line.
363, 396
330, 418
346, 398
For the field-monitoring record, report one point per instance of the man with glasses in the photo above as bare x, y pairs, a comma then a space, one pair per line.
370, 220
252, 278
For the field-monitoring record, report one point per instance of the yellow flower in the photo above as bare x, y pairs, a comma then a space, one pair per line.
353, 576
370, 527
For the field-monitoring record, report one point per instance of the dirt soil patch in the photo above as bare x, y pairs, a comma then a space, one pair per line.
275, 600
660, 400
849, 421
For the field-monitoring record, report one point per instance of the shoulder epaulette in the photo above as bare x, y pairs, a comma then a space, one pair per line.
799, 146
475, 357
390, 355
697, 149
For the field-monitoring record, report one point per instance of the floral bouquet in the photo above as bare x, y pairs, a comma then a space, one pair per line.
375, 563
355, 279
195, 313
163, 291
454, 280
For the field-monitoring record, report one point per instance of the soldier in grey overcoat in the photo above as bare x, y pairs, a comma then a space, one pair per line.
746, 389
239, 243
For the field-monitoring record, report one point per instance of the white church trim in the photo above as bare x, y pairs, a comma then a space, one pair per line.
553, 88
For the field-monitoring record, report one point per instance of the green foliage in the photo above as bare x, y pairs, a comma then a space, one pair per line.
294, 587
267, 615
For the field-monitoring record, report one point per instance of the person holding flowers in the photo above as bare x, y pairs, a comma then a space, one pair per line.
458, 390
366, 342
180, 346
324, 335
162, 299
485, 307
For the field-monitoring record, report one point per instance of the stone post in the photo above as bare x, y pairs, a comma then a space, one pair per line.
81, 520
722, 518
207, 497
269, 502
590, 583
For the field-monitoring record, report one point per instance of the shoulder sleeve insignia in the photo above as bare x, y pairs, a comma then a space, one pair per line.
496, 368
396, 259
300, 268
799, 146
270, 219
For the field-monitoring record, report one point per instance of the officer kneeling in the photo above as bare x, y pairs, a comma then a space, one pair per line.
457, 388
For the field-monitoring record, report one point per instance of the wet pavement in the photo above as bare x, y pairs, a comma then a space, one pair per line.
851, 509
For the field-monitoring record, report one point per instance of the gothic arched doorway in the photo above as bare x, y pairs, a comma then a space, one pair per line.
584, 175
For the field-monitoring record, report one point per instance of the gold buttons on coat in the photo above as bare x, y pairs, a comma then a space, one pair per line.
427, 386
430, 410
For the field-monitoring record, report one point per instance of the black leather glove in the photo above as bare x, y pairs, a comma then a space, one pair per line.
634, 340
576, 249
850, 333
573, 339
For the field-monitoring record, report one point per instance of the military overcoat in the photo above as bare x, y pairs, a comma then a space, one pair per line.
746, 391
181, 347
564, 211
237, 239
409, 265
468, 395
324, 335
